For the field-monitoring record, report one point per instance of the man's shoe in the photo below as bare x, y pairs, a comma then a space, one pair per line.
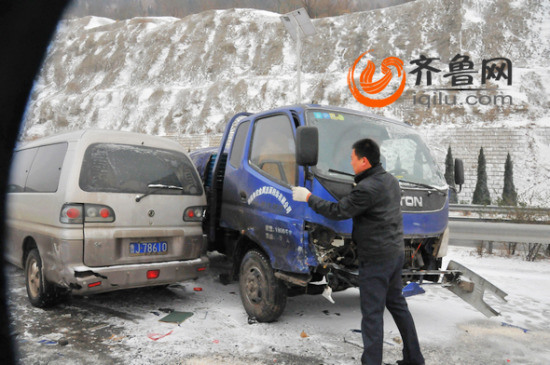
403, 362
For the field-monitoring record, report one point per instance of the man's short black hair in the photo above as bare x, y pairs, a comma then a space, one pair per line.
367, 148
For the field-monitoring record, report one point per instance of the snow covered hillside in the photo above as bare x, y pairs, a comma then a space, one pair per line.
186, 77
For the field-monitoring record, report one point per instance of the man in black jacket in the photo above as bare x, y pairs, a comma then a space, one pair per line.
374, 205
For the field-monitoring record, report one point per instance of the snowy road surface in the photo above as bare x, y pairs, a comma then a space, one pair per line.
124, 327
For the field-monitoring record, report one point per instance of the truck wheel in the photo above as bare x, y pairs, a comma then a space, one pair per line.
263, 295
41, 294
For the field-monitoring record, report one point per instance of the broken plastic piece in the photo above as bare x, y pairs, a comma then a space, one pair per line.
412, 289
158, 336
327, 294
323, 281
176, 317
100, 326
47, 342
518, 327
116, 338
352, 343
303, 334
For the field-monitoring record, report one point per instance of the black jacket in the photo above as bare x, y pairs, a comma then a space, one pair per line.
375, 206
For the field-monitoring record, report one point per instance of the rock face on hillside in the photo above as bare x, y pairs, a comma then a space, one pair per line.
187, 76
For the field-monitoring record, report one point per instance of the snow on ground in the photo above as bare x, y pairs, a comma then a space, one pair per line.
119, 327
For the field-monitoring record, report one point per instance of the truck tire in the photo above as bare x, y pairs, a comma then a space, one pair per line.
263, 295
41, 293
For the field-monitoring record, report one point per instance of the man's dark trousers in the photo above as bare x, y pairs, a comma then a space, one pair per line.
380, 286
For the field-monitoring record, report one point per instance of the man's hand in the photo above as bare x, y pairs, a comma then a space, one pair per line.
300, 194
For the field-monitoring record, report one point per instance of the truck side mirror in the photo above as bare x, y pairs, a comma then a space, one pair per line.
307, 145
459, 173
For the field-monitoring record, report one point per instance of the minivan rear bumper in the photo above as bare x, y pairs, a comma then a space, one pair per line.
89, 280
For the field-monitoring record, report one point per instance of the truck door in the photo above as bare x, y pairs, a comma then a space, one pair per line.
257, 194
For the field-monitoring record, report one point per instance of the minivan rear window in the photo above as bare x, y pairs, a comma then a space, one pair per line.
120, 168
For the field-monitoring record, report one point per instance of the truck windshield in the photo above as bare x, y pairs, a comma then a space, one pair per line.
403, 153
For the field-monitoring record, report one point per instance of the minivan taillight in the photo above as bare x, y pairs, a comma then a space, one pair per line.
79, 213
98, 213
71, 213
194, 214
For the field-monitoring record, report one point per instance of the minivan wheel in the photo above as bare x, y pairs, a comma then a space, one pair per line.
263, 295
41, 294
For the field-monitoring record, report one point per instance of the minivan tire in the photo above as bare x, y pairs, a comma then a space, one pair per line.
41, 293
263, 295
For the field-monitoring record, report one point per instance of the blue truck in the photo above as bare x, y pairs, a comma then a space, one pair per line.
282, 248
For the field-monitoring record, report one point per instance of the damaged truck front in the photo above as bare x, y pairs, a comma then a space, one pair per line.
280, 247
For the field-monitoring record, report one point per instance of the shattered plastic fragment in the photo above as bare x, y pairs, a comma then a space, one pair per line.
327, 294
116, 338
158, 336
176, 317
412, 289
47, 342
511, 325
352, 343
98, 327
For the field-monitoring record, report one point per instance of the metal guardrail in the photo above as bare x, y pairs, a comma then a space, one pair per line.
472, 230
497, 208
499, 224
529, 215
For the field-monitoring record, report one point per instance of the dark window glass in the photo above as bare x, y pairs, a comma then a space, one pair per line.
273, 148
20, 167
46, 168
238, 144
119, 168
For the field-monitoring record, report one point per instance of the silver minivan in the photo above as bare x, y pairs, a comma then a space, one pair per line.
96, 210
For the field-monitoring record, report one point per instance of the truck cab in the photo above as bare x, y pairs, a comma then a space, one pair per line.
281, 247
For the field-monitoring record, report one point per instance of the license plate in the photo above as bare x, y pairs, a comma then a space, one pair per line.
148, 248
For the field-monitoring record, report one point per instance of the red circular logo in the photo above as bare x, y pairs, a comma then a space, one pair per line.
370, 87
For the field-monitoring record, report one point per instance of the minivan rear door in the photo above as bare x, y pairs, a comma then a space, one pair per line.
134, 209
